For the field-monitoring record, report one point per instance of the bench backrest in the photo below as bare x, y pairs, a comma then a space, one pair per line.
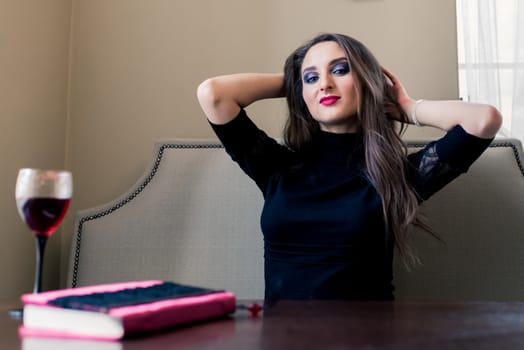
193, 217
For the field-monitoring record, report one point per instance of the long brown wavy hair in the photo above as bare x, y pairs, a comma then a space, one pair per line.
385, 152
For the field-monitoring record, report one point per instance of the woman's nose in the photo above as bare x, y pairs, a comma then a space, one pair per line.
325, 83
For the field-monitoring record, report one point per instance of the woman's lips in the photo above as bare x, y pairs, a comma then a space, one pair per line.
329, 100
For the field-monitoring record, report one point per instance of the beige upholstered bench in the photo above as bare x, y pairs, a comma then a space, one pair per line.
193, 217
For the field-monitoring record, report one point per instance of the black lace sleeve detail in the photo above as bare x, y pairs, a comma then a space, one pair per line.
441, 161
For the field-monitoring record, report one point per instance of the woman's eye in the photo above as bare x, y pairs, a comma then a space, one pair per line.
340, 69
310, 78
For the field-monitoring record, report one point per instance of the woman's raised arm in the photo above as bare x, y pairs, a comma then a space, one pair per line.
477, 119
222, 97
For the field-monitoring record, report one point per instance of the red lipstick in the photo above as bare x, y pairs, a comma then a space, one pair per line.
329, 100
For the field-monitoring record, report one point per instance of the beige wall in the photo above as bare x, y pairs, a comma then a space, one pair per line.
135, 66
34, 38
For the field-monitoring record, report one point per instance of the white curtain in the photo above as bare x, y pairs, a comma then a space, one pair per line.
517, 128
491, 56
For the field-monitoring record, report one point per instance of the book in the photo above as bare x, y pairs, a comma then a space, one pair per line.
116, 310
55, 343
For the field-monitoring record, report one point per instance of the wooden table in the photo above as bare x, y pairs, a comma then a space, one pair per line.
325, 325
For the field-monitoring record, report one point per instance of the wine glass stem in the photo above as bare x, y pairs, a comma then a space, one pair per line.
40, 247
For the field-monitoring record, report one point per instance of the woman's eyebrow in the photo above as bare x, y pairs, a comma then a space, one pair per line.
338, 60
334, 61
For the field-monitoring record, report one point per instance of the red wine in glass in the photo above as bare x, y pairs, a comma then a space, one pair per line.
42, 198
43, 214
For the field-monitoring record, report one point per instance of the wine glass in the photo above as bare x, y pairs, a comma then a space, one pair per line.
42, 198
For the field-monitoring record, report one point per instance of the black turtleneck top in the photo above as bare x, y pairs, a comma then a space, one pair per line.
322, 220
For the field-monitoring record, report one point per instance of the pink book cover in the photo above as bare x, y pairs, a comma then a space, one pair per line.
148, 316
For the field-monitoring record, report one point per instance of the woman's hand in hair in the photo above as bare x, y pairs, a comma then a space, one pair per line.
477, 119
397, 102
403, 98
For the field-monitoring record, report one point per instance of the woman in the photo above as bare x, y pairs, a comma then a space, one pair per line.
342, 191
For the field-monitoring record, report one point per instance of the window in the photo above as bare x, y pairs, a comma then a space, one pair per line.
490, 57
